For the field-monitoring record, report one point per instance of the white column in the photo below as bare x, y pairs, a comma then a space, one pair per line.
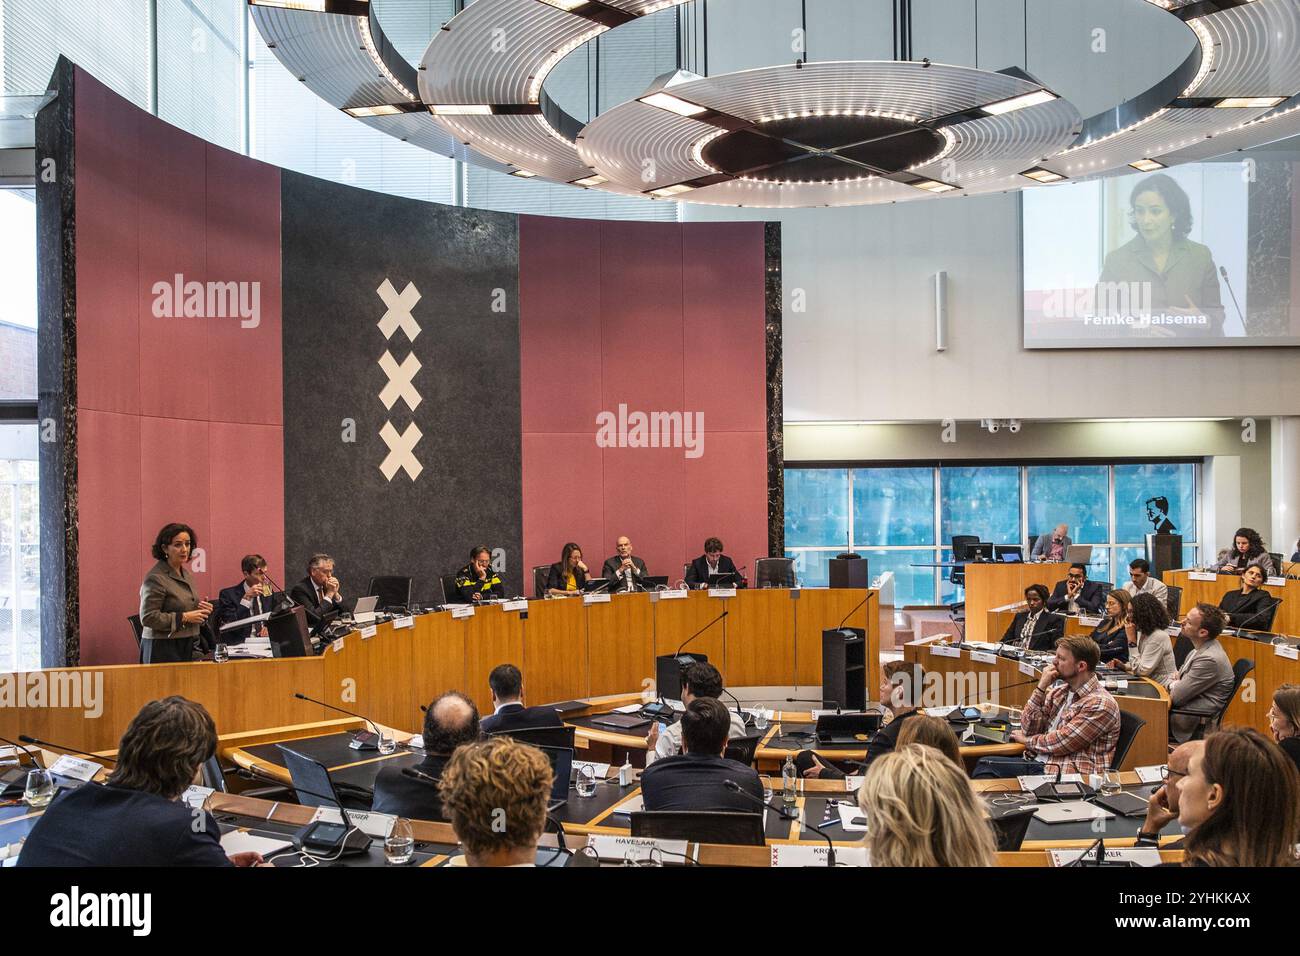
1285, 484
1220, 503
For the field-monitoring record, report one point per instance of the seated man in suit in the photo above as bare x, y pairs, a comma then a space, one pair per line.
249, 598
507, 686
712, 561
1204, 682
451, 721
495, 793
319, 594
1066, 727
137, 818
696, 778
1035, 628
701, 679
626, 570
477, 581
1076, 594
1051, 547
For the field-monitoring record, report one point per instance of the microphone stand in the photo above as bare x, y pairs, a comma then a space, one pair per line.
72, 750
358, 737
785, 814
347, 845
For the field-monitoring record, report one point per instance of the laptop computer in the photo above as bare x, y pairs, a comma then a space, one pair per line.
364, 612
846, 730
729, 579
620, 721
561, 759
1009, 553
1079, 553
1073, 811
595, 584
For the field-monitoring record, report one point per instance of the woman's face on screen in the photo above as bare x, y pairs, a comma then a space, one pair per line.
1151, 215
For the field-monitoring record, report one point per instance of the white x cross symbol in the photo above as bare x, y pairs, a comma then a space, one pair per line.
399, 310
399, 380
399, 450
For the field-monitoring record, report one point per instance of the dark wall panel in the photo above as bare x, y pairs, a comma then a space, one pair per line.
339, 245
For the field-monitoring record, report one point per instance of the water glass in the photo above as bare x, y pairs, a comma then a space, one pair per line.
761, 718
399, 845
1110, 782
387, 745
40, 788
586, 782
221, 653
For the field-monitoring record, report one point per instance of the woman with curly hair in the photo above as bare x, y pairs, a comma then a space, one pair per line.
1247, 549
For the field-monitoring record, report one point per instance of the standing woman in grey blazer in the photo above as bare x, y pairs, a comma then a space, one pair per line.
170, 609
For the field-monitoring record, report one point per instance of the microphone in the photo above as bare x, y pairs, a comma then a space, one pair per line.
353, 839
1022, 683
72, 750
285, 602
809, 700
359, 740
700, 631
785, 814
1262, 611
34, 758
420, 776
850, 614
1098, 859
746, 719
1223, 271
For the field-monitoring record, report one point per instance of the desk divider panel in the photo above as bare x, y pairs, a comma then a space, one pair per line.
555, 662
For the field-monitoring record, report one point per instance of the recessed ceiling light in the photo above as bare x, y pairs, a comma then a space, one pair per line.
666, 191
460, 109
595, 180
673, 104
1021, 102
384, 110
1147, 165
523, 173
1248, 102
1040, 175
315, 5
568, 6
933, 186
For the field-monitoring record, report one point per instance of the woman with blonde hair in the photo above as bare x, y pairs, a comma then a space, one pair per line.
932, 732
921, 811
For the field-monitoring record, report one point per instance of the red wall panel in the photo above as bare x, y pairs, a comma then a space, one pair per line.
658, 317
179, 418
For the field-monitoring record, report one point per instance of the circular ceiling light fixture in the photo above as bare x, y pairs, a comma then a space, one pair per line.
814, 133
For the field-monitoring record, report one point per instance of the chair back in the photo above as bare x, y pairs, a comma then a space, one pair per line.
450, 593
698, 826
1174, 600
775, 572
540, 736
393, 590
1129, 725
742, 749
540, 574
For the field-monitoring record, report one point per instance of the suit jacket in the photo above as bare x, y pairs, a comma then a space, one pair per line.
1044, 544
1254, 611
610, 570
230, 607
1092, 597
1114, 646
518, 717
1292, 747
698, 782
1204, 683
319, 613
555, 577
96, 825
1048, 629
698, 572
410, 797
164, 596
1232, 560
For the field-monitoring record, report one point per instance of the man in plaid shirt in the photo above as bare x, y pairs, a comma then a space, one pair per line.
1072, 728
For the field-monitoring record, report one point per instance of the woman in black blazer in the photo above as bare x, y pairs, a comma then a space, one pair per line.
568, 576
1044, 627
1249, 605
1110, 634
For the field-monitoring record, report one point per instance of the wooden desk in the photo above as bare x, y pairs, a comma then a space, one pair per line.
565, 648
990, 585
970, 680
1285, 621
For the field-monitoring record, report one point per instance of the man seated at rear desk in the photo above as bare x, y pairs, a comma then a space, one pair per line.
1077, 595
1035, 628
506, 683
696, 779
1070, 727
450, 721
701, 679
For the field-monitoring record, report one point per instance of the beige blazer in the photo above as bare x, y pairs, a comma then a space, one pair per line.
164, 596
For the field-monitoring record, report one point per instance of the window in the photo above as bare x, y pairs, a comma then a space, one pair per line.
889, 515
18, 295
20, 550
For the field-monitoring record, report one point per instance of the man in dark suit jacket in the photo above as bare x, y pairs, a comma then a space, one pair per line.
1076, 594
137, 819
712, 561
696, 779
507, 686
626, 570
318, 593
412, 792
1045, 628
249, 598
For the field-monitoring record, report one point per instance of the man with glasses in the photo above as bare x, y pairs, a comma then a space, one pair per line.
1076, 594
1162, 806
319, 593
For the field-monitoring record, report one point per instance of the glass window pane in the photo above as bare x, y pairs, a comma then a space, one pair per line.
1099, 567
893, 506
1122, 558
816, 507
1074, 495
912, 585
20, 626
1154, 497
18, 294
980, 500
811, 568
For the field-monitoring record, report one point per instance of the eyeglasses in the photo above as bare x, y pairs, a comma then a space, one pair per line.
1166, 773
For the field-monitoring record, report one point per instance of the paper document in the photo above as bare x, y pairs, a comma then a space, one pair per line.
240, 841
851, 818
